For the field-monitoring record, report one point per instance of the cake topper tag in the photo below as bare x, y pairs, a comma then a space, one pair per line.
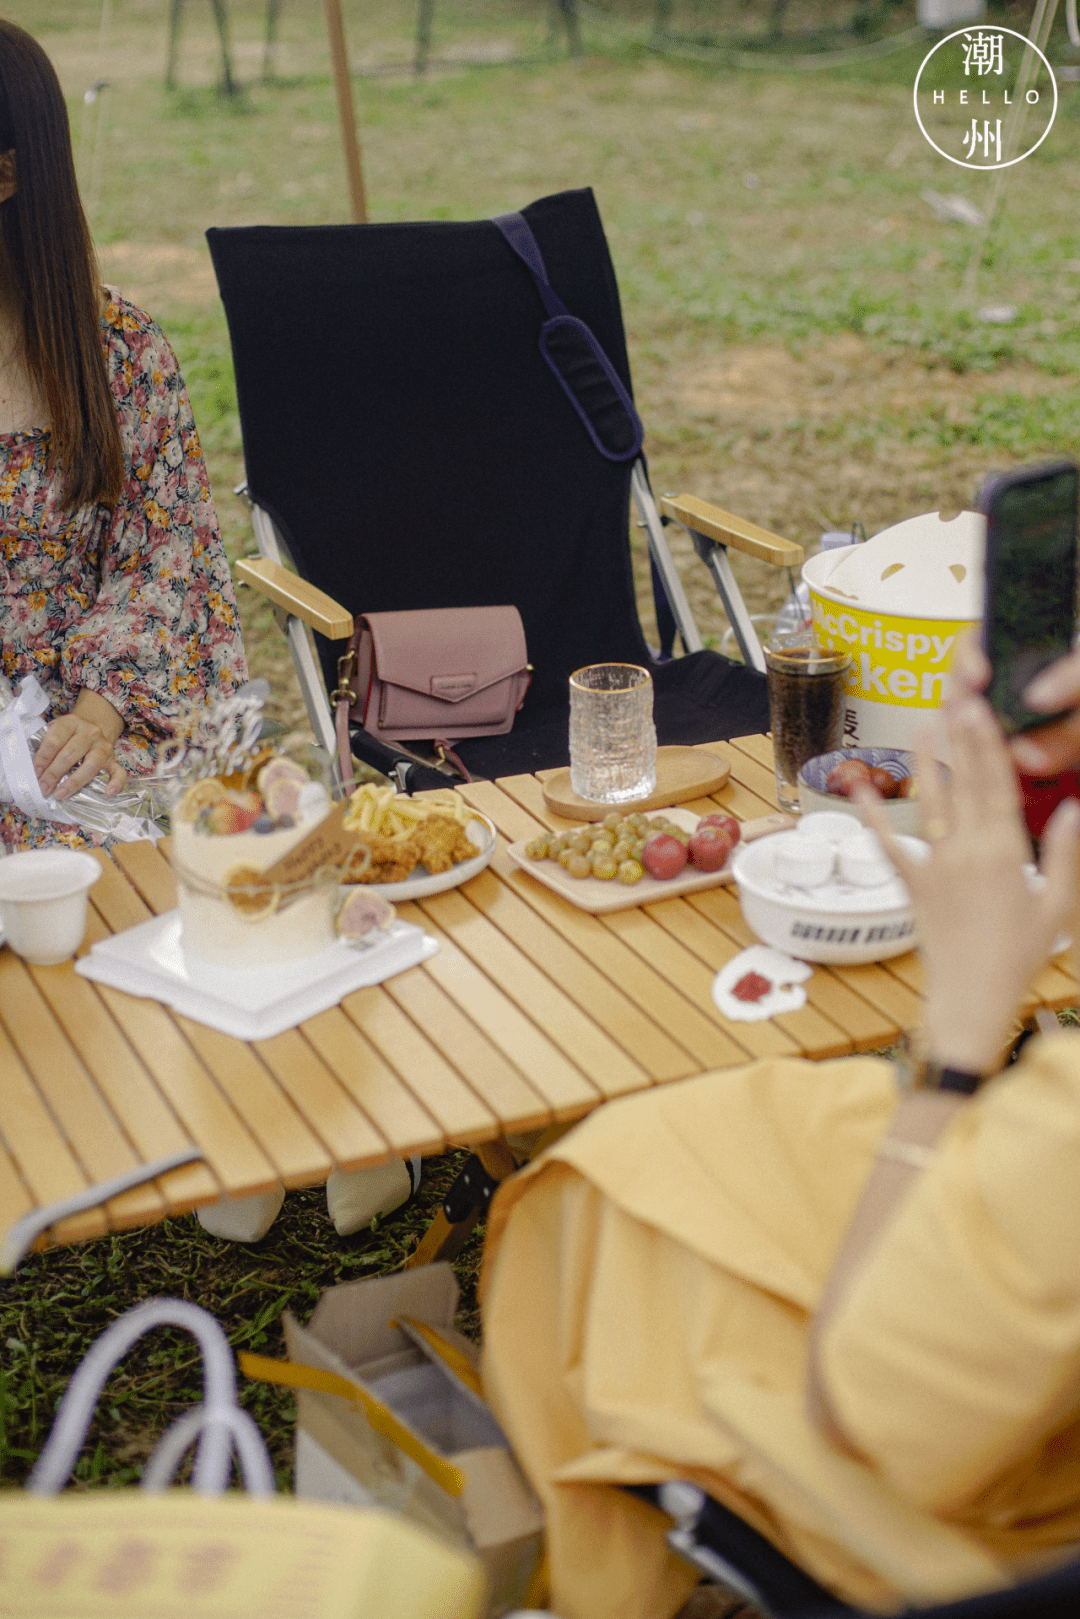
327, 844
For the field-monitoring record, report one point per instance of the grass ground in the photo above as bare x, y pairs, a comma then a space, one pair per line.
801, 348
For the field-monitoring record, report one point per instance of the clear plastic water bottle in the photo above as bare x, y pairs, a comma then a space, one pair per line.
795, 613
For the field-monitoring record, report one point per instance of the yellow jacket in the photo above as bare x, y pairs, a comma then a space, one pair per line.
648, 1291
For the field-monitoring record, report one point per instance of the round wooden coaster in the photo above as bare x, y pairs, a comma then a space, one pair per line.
681, 773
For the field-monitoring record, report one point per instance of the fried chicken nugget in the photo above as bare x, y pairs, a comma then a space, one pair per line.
391, 861
442, 843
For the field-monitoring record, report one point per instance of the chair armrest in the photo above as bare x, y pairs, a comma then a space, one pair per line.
716, 524
298, 598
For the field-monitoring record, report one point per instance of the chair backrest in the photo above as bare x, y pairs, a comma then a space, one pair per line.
405, 434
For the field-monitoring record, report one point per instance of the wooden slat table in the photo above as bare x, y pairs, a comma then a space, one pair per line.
532, 1013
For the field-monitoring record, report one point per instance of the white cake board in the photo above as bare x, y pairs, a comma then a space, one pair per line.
251, 1003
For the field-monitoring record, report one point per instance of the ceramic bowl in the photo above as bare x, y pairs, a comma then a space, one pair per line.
838, 922
903, 813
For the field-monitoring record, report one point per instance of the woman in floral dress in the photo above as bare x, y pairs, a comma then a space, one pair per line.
114, 589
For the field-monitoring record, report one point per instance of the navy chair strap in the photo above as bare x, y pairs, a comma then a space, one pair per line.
576, 358
515, 228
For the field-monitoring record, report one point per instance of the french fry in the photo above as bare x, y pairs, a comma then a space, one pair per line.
384, 813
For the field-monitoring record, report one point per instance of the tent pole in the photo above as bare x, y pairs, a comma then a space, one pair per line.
346, 116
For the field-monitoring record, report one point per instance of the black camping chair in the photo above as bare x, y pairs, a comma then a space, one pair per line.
407, 445
728, 1552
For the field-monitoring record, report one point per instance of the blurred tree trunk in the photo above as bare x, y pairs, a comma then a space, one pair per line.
424, 19
566, 11
273, 12
221, 18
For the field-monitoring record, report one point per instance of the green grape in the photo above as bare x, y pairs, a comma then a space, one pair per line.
580, 842
611, 821
630, 871
622, 849
602, 846
578, 865
604, 867
538, 848
565, 856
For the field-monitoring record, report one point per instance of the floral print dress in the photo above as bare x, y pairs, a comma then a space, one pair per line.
134, 602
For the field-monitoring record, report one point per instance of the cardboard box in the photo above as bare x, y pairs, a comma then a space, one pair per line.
419, 1439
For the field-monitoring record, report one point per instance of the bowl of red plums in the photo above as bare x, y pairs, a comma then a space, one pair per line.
832, 780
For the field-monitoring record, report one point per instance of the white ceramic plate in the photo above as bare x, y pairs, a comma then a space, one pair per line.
420, 884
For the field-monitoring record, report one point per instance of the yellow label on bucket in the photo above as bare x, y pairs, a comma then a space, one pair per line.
900, 661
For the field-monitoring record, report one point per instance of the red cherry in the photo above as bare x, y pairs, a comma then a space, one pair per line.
884, 781
709, 848
664, 856
844, 778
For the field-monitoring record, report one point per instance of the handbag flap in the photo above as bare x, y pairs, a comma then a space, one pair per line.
448, 652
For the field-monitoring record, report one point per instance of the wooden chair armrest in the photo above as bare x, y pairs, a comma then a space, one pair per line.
287, 590
717, 524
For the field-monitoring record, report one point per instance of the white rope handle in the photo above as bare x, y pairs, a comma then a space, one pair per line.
251, 1451
216, 1415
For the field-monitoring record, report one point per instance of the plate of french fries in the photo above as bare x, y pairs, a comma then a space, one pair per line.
418, 846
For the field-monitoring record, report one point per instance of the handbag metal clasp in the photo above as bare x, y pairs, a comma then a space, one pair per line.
345, 667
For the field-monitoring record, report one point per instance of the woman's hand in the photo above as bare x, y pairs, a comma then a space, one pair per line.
1052, 749
77, 746
983, 933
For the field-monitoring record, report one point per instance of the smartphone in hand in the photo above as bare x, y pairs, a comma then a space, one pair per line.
1029, 613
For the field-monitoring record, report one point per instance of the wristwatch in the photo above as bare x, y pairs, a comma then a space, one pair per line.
917, 1072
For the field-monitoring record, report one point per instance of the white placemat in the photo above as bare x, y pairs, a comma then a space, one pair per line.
251, 1003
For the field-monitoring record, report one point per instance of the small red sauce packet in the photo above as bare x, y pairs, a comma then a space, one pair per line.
751, 987
760, 983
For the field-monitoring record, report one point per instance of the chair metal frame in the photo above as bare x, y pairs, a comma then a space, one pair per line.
300, 607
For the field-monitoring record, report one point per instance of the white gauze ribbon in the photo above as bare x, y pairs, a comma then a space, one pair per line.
20, 722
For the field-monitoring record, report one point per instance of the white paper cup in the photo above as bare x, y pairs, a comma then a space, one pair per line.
43, 902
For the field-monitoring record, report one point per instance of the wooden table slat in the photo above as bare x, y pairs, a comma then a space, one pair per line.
147, 868
644, 935
278, 1124
348, 1135
421, 1065
114, 899
563, 1086
15, 1199
759, 778
615, 1011
44, 1159
405, 1125
226, 1143
515, 823
696, 1031
612, 1070
93, 1134
503, 1088
808, 1026
147, 1118
758, 747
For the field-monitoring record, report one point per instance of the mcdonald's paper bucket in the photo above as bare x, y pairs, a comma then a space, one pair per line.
898, 604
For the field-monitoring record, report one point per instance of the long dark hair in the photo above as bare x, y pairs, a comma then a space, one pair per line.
48, 264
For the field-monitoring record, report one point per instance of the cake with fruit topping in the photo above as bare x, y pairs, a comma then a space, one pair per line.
224, 837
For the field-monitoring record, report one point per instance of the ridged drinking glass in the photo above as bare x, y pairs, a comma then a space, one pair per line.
612, 735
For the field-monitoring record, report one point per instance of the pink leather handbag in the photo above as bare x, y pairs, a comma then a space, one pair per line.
439, 675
